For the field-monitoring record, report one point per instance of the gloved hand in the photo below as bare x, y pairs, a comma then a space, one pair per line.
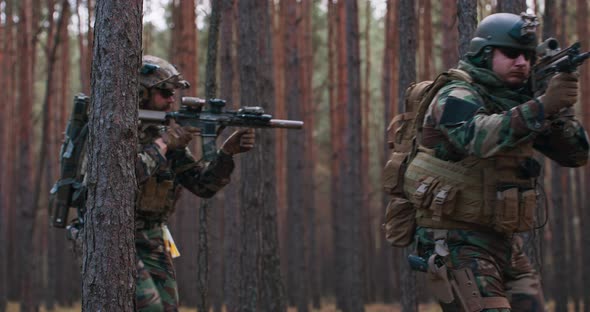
177, 137
561, 92
239, 142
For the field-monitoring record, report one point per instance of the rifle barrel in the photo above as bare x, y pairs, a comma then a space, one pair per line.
288, 124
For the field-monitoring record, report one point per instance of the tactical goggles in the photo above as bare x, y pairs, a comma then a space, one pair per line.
166, 93
513, 53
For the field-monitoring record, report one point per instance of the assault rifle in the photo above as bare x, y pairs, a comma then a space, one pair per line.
191, 113
553, 60
68, 191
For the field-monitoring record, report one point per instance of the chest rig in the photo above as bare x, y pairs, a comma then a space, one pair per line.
157, 196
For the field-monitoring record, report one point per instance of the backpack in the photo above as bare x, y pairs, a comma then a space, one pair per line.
403, 132
69, 190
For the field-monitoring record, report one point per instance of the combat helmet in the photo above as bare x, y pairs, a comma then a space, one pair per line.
503, 30
158, 73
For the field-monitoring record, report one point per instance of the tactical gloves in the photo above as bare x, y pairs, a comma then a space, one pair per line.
561, 92
177, 137
238, 142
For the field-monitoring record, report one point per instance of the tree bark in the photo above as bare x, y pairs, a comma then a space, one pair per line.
231, 233
450, 48
25, 203
109, 262
351, 176
467, 17
389, 89
511, 6
251, 192
297, 284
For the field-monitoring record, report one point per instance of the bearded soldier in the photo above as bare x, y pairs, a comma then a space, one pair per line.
473, 179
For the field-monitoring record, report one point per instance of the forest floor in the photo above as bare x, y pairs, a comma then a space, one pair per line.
14, 307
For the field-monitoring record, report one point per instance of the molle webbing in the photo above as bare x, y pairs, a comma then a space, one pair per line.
465, 194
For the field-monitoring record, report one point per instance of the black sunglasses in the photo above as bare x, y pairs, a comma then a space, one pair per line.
513, 53
166, 93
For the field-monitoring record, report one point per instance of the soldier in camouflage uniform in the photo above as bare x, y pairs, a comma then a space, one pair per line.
164, 165
474, 178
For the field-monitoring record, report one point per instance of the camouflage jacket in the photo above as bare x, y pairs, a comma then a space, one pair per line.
171, 171
462, 121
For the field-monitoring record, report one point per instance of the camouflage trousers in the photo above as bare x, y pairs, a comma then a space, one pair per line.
499, 265
156, 279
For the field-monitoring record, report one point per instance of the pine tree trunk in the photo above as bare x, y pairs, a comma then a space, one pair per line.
296, 256
467, 22
352, 200
272, 291
231, 232
450, 49
389, 90
109, 262
511, 6
25, 166
407, 72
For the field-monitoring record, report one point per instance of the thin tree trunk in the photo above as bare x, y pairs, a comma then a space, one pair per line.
389, 89
339, 159
352, 176
450, 48
10, 68
281, 135
272, 291
5, 33
24, 201
250, 210
407, 72
330, 265
367, 231
309, 162
297, 277
511, 6
232, 274
210, 91
184, 54
583, 34
467, 17
109, 262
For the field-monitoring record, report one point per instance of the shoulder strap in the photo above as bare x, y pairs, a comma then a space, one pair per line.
443, 79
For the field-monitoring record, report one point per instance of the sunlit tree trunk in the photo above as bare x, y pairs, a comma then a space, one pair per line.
109, 260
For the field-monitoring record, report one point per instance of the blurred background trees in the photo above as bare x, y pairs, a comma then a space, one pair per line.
335, 64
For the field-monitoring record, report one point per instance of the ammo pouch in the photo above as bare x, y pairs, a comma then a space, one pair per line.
471, 193
156, 197
400, 222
